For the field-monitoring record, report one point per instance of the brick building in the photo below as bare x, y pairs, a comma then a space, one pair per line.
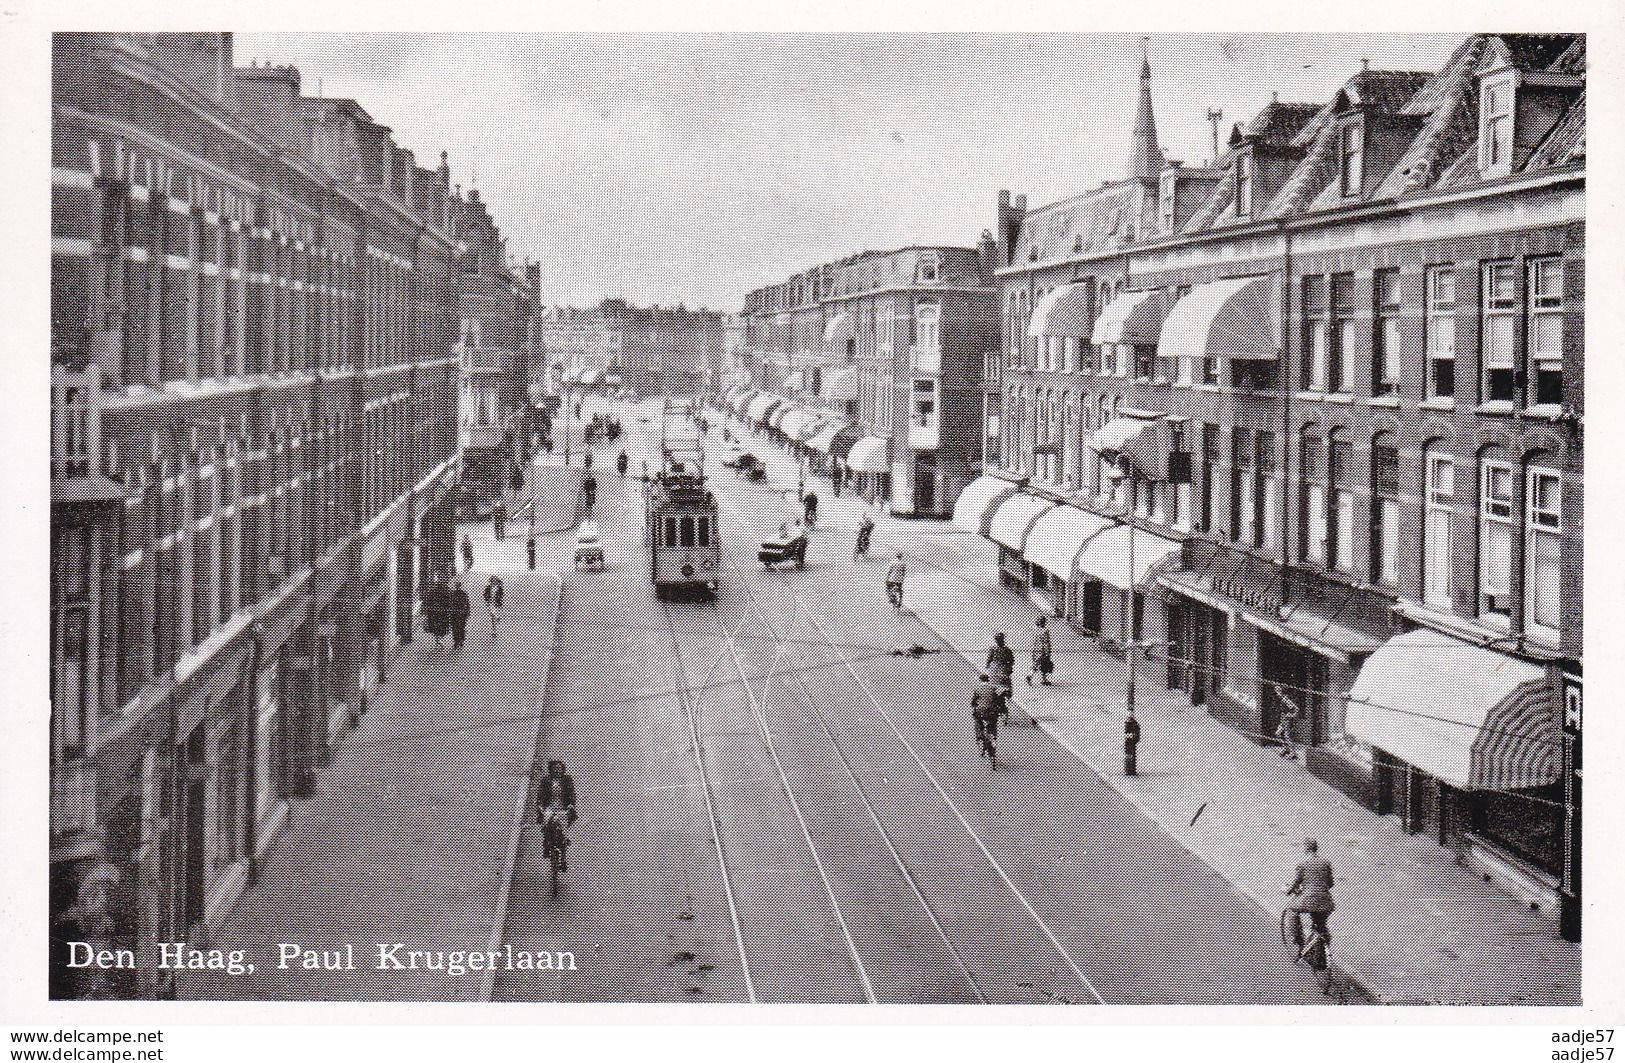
656, 350
882, 355
254, 432
1335, 381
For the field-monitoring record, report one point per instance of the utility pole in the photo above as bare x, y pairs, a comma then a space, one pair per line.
1214, 117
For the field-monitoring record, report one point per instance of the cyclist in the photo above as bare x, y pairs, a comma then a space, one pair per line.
1001, 663
1313, 888
866, 529
987, 705
894, 580
556, 806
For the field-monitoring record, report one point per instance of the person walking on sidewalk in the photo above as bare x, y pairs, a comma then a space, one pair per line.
530, 552
494, 594
1313, 888
1043, 665
809, 506
437, 610
589, 493
499, 521
620, 464
459, 615
516, 479
1001, 664
895, 575
468, 552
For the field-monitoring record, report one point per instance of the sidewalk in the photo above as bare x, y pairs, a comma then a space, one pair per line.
410, 834
1412, 926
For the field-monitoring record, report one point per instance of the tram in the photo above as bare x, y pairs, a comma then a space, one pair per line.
682, 532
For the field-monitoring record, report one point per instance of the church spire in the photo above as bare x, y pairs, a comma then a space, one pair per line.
1145, 156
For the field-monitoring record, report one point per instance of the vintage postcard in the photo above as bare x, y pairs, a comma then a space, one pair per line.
1018, 518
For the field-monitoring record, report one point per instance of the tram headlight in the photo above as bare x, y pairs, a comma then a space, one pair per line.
708, 563
688, 571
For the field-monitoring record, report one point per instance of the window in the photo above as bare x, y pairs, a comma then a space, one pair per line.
1545, 331
927, 330
930, 263
1244, 486
1441, 332
1495, 127
1340, 546
1312, 501
1265, 504
1386, 339
1498, 335
1316, 334
1342, 338
1385, 512
1210, 460
1144, 361
671, 531
1495, 522
1244, 184
1544, 530
1351, 152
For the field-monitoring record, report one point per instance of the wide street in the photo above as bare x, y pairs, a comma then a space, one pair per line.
779, 804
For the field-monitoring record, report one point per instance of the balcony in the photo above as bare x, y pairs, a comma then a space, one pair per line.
76, 439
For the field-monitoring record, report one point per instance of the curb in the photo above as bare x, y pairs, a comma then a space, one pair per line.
1050, 731
499, 920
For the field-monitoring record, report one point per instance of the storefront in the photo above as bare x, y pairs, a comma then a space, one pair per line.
1119, 560
870, 463
1471, 744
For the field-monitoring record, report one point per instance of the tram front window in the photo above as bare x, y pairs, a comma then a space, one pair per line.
704, 535
688, 531
671, 531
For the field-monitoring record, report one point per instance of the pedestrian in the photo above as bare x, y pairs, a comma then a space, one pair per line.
530, 552
1001, 663
620, 464
809, 505
1131, 745
468, 552
436, 610
499, 521
459, 615
1043, 664
589, 492
494, 594
516, 479
1285, 727
1313, 888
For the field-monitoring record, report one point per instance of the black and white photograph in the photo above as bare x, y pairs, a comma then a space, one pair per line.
1019, 517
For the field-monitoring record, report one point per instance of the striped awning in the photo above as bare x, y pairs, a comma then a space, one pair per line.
976, 503
1234, 318
795, 423
1064, 311
1058, 538
592, 376
1132, 317
839, 329
1111, 437
1014, 519
844, 442
822, 439
775, 417
869, 455
810, 426
1106, 556
759, 406
1467, 715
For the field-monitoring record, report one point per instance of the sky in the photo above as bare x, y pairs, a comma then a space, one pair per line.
674, 168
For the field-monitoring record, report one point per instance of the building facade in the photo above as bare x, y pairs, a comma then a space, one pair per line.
889, 346
1335, 381
254, 433
654, 350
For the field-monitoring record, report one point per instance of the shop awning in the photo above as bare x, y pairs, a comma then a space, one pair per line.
1059, 536
757, 410
1015, 517
796, 423
1063, 311
844, 442
1105, 556
1114, 435
811, 425
795, 381
868, 455
821, 439
741, 401
775, 417
839, 329
977, 501
1465, 714
570, 376
841, 385
1133, 317
1232, 318
592, 376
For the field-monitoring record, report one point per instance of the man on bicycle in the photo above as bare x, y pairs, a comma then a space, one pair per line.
556, 808
1313, 888
987, 705
1001, 664
894, 581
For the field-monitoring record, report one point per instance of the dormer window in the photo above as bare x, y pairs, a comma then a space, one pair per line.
930, 265
1495, 126
1351, 157
1244, 184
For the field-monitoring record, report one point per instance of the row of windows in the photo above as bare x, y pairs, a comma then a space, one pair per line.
686, 531
1521, 338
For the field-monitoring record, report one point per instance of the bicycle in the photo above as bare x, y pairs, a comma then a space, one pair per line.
987, 736
894, 592
554, 842
1315, 950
